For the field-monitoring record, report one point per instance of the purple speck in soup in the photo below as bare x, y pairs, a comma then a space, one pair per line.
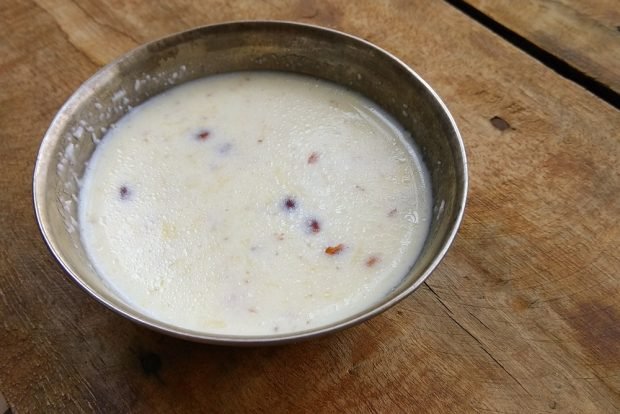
290, 204
225, 149
314, 226
124, 192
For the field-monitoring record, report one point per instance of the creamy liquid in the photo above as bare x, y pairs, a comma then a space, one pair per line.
254, 203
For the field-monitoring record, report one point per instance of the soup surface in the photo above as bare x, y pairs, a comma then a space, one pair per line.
254, 203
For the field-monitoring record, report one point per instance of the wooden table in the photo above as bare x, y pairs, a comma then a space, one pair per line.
523, 315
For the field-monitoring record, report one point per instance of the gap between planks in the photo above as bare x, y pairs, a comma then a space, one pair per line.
548, 59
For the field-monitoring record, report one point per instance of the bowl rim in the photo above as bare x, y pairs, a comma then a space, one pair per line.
44, 158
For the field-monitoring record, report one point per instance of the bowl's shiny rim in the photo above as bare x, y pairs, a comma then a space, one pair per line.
44, 158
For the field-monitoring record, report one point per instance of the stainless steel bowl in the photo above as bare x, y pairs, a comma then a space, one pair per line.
259, 45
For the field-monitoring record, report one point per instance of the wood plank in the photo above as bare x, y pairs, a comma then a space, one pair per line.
521, 316
585, 34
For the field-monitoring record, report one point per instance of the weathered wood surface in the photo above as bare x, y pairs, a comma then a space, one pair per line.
521, 316
585, 34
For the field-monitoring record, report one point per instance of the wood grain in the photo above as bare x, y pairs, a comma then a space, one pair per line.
585, 34
521, 316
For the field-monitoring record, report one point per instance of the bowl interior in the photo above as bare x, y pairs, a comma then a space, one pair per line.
155, 67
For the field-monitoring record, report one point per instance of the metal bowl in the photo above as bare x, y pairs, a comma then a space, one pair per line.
257, 45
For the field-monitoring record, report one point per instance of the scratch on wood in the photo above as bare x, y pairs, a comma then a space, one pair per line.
449, 313
479, 320
66, 36
103, 24
4, 406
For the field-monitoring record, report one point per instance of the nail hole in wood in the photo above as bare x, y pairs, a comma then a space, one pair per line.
500, 123
150, 362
